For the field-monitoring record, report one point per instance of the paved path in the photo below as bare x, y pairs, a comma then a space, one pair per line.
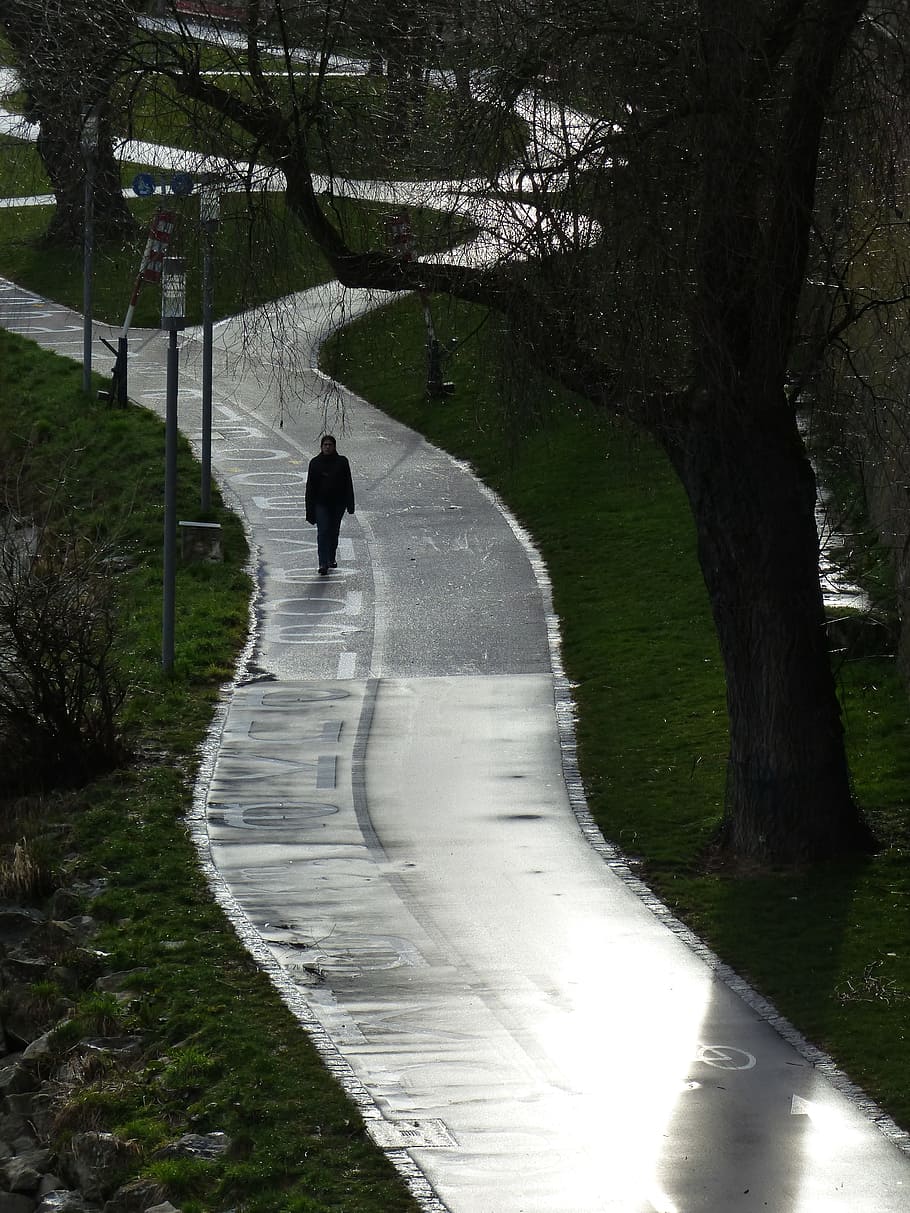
386, 817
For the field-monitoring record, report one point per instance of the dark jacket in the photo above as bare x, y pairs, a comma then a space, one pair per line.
328, 482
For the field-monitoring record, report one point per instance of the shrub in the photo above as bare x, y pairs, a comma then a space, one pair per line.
60, 692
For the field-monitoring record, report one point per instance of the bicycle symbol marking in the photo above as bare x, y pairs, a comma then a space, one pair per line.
725, 1057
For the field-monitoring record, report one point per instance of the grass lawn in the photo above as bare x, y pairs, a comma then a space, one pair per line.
830, 947
220, 1050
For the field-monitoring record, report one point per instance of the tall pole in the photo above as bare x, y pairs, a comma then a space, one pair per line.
209, 216
89, 151
88, 255
173, 318
170, 506
205, 496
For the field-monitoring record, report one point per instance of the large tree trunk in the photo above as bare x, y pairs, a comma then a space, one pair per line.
59, 149
67, 55
752, 492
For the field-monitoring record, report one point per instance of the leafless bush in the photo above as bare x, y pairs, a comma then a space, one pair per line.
60, 692
22, 875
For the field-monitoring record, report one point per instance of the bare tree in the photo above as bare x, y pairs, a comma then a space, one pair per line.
655, 257
67, 53
60, 691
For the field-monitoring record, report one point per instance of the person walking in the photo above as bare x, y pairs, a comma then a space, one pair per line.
329, 492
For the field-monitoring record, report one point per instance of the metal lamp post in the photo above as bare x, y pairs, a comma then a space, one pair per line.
209, 217
89, 148
173, 318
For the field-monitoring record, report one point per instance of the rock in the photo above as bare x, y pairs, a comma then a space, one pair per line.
65, 1201
50, 1183
17, 923
196, 1145
123, 1048
62, 934
27, 1017
26, 966
83, 925
38, 1106
39, 1047
164, 1207
95, 1162
15, 1202
56, 936
137, 1196
23, 1172
66, 978
65, 904
113, 983
17, 1076
13, 1125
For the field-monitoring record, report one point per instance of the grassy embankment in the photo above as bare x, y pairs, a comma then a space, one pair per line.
220, 1050
831, 946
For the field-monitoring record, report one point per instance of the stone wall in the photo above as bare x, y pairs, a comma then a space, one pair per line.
48, 1164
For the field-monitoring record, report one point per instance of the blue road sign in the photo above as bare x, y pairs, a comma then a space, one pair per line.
181, 184
144, 185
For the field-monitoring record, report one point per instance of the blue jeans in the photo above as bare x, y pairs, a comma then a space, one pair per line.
328, 524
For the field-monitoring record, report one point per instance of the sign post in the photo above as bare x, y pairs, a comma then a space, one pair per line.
172, 275
89, 145
209, 218
161, 229
400, 240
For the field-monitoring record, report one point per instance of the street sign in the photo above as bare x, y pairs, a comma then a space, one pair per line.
161, 229
181, 184
144, 185
160, 232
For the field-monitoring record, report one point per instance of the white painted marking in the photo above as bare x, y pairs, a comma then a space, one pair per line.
66, 328
266, 479
316, 633
305, 607
725, 1057
289, 504
353, 602
829, 1123
228, 413
301, 576
258, 454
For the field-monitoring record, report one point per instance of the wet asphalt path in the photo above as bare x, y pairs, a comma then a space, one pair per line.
386, 818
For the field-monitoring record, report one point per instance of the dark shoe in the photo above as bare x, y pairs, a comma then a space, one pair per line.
334, 564
322, 570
